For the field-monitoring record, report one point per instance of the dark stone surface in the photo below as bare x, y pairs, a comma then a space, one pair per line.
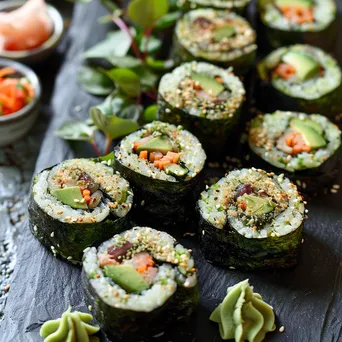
307, 299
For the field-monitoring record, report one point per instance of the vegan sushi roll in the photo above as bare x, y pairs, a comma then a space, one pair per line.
206, 100
287, 22
251, 219
76, 204
300, 78
305, 146
139, 282
219, 37
162, 162
238, 6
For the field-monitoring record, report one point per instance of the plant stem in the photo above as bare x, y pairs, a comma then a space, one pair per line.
123, 27
96, 149
108, 145
151, 95
147, 35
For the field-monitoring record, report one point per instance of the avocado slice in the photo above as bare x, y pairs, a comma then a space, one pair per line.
306, 67
225, 31
308, 122
127, 277
258, 205
176, 170
69, 195
296, 3
158, 144
310, 135
208, 83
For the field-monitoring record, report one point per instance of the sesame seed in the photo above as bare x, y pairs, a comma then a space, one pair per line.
333, 191
282, 329
52, 234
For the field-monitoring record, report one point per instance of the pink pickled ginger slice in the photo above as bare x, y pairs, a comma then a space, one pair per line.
26, 27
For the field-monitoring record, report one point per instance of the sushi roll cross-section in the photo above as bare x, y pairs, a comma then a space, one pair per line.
299, 21
76, 204
139, 282
305, 146
300, 78
163, 163
206, 100
232, 5
251, 219
219, 37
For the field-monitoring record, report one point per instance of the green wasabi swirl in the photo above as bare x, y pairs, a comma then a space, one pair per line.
71, 327
243, 315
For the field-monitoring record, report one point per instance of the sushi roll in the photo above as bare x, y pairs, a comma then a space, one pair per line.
206, 100
300, 78
163, 163
304, 146
139, 282
287, 22
218, 37
251, 219
238, 6
76, 204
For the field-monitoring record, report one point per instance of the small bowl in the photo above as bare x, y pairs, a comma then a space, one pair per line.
16, 125
41, 52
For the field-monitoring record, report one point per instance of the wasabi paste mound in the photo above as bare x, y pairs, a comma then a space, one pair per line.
243, 315
71, 327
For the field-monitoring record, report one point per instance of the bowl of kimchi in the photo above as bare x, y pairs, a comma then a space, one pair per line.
20, 93
29, 30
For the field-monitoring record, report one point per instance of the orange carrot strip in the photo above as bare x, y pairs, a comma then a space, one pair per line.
85, 192
285, 70
143, 155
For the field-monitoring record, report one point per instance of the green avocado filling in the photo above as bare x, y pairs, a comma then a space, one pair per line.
72, 326
127, 277
158, 144
311, 132
208, 83
222, 32
306, 67
71, 196
243, 315
256, 205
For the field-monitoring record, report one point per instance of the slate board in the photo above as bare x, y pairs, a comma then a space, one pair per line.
307, 299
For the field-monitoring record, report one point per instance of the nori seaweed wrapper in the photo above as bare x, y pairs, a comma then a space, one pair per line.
68, 240
270, 99
159, 201
226, 247
126, 325
309, 181
214, 135
240, 65
274, 38
186, 5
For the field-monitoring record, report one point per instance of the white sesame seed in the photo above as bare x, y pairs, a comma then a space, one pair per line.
281, 329
52, 234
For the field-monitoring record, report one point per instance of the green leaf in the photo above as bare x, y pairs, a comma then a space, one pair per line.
150, 113
116, 44
127, 80
124, 62
153, 44
108, 157
112, 126
131, 112
146, 12
94, 81
160, 65
148, 79
167, 20
76, 130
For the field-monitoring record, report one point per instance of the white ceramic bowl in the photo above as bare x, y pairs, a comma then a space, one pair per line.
44, 50
16, 125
